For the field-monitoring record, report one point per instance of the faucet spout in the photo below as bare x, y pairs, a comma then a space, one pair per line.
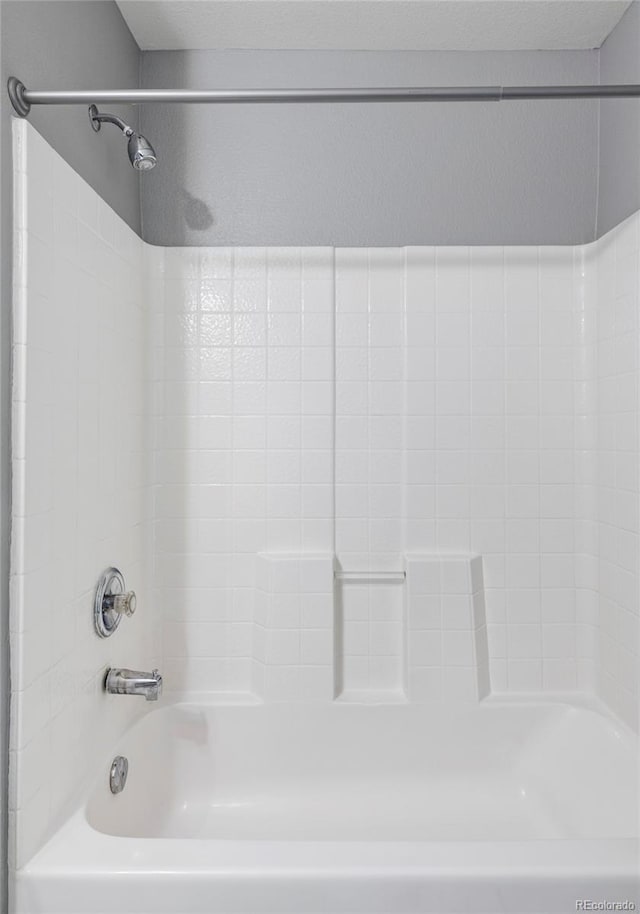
133, 682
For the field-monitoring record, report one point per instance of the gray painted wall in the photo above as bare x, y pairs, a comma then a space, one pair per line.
510, 173
619, 194
63, 44
54, 43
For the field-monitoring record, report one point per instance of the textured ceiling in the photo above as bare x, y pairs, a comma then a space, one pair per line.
372, 24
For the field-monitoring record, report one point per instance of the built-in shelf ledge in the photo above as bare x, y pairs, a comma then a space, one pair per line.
386, 576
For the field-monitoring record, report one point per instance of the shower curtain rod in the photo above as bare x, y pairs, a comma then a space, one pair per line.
22, 98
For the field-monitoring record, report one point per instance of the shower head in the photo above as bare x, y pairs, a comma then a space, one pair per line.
141, 153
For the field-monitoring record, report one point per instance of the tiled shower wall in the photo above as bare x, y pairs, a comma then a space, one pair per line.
384, 403
80, 499
243, 441
440, 392
614, 271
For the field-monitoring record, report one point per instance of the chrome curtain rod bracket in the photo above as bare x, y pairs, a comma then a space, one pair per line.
16, 90
22, 98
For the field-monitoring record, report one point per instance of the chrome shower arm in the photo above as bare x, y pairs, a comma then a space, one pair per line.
97, 118
141, 153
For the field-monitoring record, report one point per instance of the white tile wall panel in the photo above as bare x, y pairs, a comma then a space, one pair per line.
377, 403
80, 482
450, 395
614, 269
243, 438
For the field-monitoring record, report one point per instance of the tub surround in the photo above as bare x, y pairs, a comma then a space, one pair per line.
407, 418
370, 405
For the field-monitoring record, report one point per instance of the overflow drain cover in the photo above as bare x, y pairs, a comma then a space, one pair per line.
118, 774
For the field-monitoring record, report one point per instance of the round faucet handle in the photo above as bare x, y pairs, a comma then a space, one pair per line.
125, 603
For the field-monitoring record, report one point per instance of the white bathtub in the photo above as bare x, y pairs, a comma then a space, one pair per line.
501, 807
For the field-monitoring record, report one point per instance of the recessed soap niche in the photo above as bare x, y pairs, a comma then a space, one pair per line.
414, 634
370, 635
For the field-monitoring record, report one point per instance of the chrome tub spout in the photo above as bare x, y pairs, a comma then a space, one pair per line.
132, 682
